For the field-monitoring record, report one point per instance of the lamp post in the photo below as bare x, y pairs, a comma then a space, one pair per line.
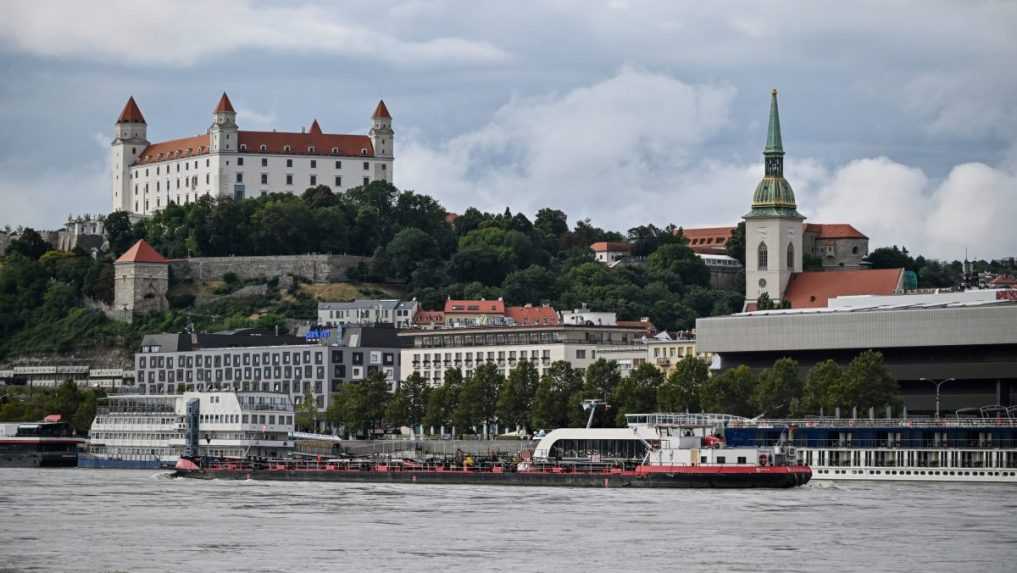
939, 384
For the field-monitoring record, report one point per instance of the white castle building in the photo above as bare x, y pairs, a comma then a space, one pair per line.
229, 162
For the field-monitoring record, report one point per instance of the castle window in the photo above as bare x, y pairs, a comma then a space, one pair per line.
791, 256
314, 164
384, 167
363, 151
207, 162
157, 167
338, 181
335, 150
314, 180
194, 180
854, 250
338, 164
761, 257
206, 179
263, 148
240, 177
156, 185
366, 166
289, 179
240, 161
264, 178
367, 180
187, 166
178, 168
243, 147
264, 162
287, 149
310, 149
146, 172
289, 163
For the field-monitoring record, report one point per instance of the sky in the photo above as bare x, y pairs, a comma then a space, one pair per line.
898, 118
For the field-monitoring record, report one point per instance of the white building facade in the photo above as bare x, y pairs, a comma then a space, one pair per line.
227, 162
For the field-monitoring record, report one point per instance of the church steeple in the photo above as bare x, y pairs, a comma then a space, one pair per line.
774, 196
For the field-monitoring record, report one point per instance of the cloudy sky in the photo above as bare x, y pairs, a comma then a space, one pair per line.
899, 118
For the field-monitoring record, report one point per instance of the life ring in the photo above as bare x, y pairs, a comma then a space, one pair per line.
763, 459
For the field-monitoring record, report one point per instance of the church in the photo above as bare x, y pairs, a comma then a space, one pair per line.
227, 162
775, 237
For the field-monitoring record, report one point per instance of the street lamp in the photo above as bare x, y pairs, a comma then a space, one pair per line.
939, 384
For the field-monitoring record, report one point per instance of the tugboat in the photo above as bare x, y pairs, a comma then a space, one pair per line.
50, 443
654, 450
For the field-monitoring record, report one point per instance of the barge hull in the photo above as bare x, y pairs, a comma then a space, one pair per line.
770, 480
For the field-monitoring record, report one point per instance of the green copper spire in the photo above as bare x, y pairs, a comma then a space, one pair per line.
773, 140
773, 196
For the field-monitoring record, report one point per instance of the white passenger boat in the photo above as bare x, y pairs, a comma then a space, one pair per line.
148, 431
979, 448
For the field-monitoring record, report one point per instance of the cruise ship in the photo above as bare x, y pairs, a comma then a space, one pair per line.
956, 449
148, 431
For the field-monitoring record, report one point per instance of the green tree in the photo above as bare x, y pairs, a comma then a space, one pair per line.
551, 402
680, 393
890, 258
868, 383
29, 244
779, 390
678, 260
735, 246
533, 285
637, 394
479, 398
408, 402
307, 413
409, 247
601, 379
824, 382
515, 399
119, 232
730, 392
442, 401
360, 407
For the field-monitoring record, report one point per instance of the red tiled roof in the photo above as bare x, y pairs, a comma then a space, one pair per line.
306, 143
531, 315
834, 231
174, 149
451, 217
381, 110
142, 252
429, 317
813, 289
708, 239
224, 104
131, 113
474, 307
604, 246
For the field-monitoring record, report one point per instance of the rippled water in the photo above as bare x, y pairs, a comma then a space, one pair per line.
109, 520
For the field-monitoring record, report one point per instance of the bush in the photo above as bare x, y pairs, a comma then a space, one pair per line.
231, 279
181, 300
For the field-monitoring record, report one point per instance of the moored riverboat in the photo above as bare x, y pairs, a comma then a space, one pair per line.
50, 443
654, 450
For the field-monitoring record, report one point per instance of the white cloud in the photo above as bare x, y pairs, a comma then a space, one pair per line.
630, 150
149, 32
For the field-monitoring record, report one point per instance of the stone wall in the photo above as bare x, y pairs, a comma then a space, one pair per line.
316, 268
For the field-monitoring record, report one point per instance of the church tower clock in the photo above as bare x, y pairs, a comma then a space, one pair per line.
773, 228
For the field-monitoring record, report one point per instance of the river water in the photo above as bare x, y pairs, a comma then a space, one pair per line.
135, 521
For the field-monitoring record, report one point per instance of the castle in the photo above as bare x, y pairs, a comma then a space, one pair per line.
226, 162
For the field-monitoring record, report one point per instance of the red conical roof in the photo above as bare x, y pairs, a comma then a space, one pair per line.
224, 104
315, 128
131, 113
381, 110
142, 252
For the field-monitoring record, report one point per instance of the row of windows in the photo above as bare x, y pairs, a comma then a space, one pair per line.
218, 360
469, 356
312, 179
230, 374
316, 388
289, 149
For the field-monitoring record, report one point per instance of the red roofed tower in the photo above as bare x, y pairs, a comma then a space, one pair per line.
223, 132
383, 139
129, 140
141, 280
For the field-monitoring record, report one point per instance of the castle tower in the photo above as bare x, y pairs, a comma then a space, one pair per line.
773, 228
223, 131
383, 140
129, 141
141, 280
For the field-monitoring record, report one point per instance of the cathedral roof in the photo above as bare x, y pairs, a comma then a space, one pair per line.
142, 252
224, 105
131, 113
275, 142
814, 288
381, 111
774, 144
834, 231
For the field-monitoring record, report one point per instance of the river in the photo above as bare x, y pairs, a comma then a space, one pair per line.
137, 521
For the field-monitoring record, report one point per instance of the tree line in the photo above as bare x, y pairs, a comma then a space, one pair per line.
30, 404
527, 401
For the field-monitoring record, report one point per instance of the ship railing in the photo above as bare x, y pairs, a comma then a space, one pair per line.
948, 444
874, 423
683, 420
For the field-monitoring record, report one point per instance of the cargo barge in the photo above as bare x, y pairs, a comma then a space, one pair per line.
654, 451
